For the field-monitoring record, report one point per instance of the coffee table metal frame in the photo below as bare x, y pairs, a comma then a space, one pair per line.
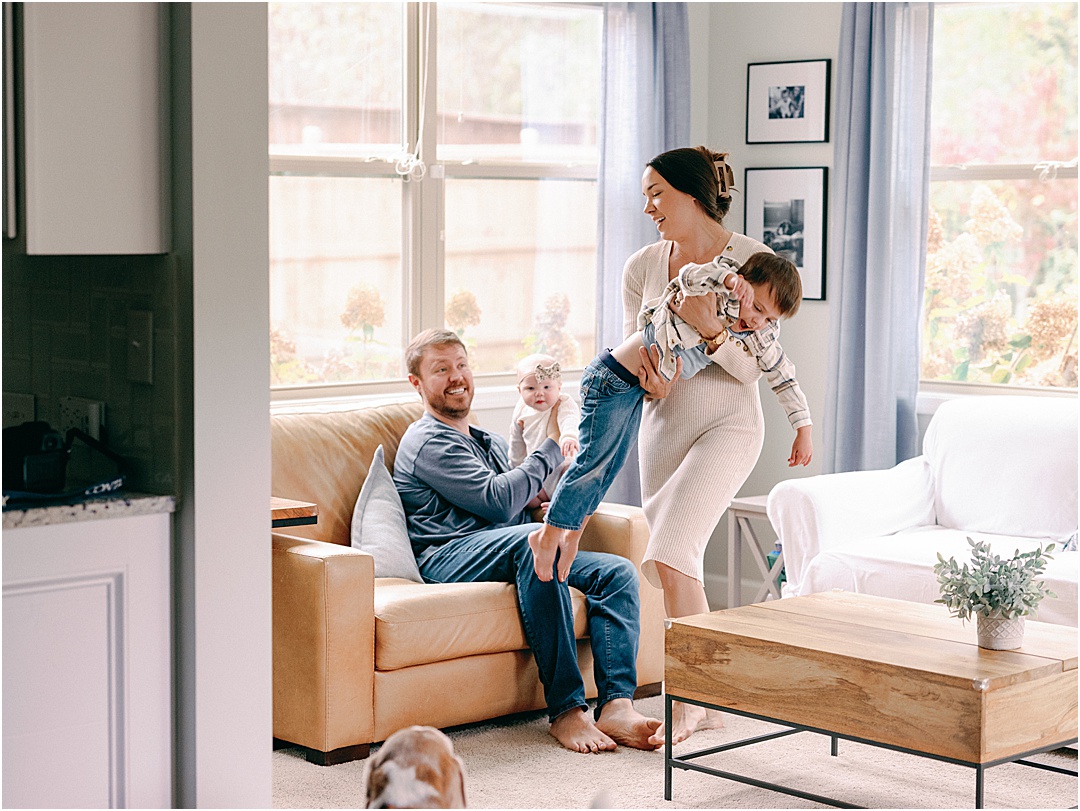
683, 761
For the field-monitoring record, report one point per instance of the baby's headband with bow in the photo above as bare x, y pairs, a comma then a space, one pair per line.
725, 178
543, 372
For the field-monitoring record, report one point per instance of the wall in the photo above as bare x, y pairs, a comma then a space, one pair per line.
740, 34
65, 335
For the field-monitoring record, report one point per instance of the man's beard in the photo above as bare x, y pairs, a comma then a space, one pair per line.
440, 405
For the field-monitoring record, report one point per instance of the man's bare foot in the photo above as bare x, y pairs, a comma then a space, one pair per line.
627, 726
686, 719
568, 547
576, 731
544, 543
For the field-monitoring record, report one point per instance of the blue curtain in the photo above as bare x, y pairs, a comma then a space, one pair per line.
645, 111
878, 214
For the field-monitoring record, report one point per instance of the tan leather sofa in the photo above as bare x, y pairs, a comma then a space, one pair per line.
358, 657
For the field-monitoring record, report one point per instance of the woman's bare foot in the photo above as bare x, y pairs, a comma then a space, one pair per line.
686, 719
575, 730
627, 726
544, 543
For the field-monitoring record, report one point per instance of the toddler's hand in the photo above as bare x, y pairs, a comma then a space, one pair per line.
521, 424
802, 449
570, 447
743, 291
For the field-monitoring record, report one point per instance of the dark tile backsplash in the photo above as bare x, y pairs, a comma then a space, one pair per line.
65, 334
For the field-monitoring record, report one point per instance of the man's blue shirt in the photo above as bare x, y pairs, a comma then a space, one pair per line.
452, 485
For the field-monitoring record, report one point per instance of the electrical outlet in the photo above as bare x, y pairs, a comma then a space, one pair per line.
86, 415
18, 408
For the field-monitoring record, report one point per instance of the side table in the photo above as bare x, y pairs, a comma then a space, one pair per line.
739, 514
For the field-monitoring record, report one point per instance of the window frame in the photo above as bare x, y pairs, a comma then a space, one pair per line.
422, 200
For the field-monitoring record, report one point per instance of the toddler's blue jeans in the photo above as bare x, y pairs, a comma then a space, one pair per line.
610, 416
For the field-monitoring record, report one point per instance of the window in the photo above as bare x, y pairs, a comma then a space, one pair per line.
431, 165
1001, 274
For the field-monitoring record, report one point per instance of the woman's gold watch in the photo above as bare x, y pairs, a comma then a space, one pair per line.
714, 343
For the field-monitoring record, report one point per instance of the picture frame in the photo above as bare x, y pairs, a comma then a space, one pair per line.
787, 210
788, 102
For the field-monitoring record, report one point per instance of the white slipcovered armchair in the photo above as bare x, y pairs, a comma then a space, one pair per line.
1001, 469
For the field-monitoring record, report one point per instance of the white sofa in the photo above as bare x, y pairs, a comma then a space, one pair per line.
1000, 468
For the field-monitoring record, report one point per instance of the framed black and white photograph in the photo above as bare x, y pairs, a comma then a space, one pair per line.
786, 210
787, 102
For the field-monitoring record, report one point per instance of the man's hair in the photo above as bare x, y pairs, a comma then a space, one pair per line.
781, 276
414, 353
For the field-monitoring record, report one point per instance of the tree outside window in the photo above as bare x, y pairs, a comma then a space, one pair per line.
1001, 272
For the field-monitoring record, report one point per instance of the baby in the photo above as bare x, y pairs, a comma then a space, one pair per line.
540, 387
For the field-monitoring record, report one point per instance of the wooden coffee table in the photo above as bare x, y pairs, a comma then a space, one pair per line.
904, 676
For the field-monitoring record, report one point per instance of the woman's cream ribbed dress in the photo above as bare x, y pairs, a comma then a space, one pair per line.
698, 445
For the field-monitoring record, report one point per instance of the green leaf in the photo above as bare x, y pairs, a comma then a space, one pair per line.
1001, 376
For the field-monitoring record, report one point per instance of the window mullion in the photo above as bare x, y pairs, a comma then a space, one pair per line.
421, 195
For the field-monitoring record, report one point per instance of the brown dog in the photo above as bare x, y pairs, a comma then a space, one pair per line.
416, 768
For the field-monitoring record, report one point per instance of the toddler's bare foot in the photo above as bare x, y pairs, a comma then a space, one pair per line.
568, 548
544, 543
576, 731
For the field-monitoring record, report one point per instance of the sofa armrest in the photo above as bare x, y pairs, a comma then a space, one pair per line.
817, 513
622, 530
324, 643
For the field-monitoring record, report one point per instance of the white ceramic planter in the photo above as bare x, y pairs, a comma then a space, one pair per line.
999, 633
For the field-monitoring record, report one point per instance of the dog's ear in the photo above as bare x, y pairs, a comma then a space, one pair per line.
460, 798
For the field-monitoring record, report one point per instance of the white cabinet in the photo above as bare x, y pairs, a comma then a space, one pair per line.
95, 106
86, 664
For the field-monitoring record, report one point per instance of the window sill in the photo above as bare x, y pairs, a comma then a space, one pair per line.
933, 393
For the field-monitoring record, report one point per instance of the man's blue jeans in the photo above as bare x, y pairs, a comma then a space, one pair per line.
610, 586
610, 416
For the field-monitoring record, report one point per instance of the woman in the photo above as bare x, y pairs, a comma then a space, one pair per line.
699, 440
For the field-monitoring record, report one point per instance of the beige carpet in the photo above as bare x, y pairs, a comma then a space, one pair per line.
516, 764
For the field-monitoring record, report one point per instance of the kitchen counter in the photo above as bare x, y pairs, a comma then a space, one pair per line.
110, 505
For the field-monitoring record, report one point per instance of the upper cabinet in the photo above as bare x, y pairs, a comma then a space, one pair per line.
95, 128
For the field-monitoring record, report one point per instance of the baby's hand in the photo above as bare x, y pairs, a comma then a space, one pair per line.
802, 449
521, 424
570, 447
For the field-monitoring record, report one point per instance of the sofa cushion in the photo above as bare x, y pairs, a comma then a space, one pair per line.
901, 566
323, 456
378, 524
419, 623
1005, 465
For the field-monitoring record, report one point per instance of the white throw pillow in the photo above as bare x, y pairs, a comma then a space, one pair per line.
378, 524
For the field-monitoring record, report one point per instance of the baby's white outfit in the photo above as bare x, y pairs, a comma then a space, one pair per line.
527, 438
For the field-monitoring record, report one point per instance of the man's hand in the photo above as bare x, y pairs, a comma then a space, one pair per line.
570, 447
553, 423
802, 450
649, 377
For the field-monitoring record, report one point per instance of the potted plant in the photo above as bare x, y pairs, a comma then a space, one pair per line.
998, 592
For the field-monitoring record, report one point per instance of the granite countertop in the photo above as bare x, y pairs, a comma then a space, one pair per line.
110, 505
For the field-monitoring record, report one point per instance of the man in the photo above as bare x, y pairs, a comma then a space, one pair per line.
467, 521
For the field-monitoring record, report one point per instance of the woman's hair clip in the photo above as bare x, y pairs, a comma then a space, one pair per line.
550, 371
725, 178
